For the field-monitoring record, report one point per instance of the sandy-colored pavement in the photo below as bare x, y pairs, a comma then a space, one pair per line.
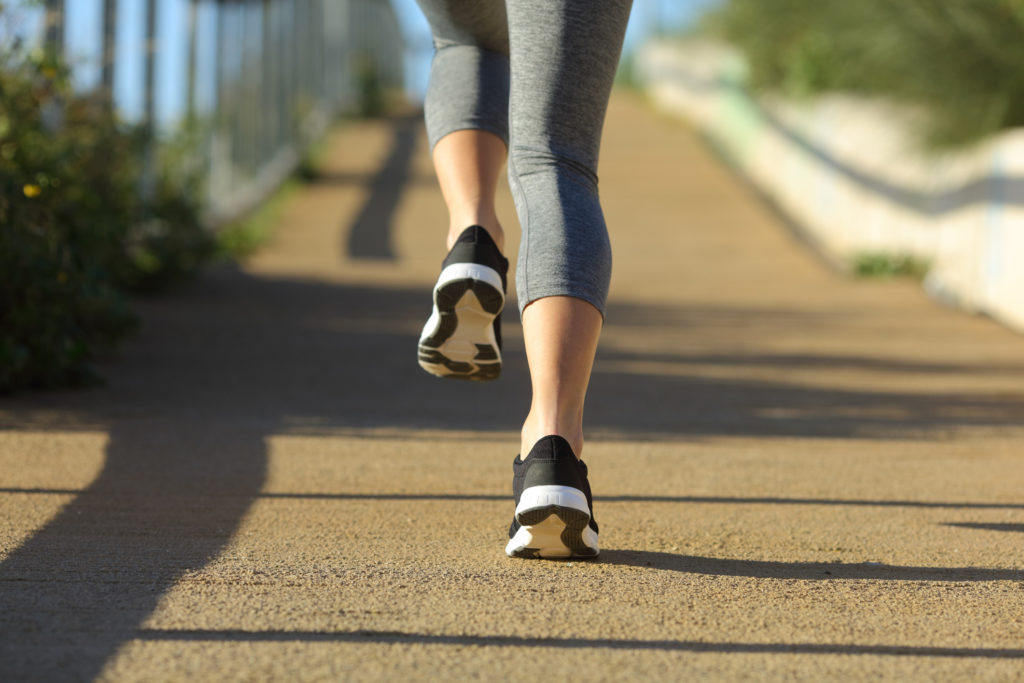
798, 476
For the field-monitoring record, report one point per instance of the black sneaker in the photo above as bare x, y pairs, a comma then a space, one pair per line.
462, 338
554, 510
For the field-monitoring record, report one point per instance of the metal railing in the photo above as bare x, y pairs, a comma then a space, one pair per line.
262, 79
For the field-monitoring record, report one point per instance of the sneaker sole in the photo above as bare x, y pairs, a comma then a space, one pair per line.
555, 524
458, 340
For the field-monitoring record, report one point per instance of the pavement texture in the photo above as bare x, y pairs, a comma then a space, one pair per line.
798, 476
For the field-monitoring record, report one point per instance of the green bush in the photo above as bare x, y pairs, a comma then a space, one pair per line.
75, 234
960, 61
883, 265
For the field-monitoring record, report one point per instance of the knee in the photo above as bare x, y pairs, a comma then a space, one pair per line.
560, 166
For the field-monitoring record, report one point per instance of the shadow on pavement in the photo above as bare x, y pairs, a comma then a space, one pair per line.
804, 571
166, 502
369, 236
1019, 528
701, 500
235, 359
390, 637
746, 398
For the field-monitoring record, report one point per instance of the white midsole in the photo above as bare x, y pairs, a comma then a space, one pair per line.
543, 496
474, 271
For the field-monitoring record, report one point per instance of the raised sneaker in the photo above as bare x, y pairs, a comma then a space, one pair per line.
462, 337
554, 510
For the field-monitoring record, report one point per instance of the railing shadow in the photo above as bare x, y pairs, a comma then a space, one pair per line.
167, 501
236, 359
804, 571
215, 371
734, 647
989, 526
369, 236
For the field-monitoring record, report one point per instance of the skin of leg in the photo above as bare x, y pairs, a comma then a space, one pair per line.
561, 334
468, 164
563, 55
561, 331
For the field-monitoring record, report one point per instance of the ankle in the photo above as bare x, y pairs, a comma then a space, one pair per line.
535, 430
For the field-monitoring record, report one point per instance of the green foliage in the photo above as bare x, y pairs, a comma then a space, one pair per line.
625, 75
961, 61
244, 236
369, 87
75, 233
884, 265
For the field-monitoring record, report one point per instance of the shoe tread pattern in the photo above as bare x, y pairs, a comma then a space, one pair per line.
486, 364
575, 522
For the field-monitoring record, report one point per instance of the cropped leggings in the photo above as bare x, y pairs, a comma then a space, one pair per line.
536, 73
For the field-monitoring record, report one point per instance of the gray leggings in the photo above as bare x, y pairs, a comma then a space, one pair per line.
537, 73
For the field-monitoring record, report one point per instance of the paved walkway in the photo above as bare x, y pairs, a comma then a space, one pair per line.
798, 476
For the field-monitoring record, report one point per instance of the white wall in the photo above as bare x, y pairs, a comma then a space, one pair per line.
848, 171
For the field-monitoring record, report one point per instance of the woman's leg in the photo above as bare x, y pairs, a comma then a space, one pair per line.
466, 108
467, 123
563, 59
564, 54
561, 335
468, 163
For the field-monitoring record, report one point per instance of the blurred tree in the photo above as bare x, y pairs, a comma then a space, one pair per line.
962, 61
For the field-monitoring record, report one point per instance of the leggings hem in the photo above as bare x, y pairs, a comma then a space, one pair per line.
484, 126
544, 293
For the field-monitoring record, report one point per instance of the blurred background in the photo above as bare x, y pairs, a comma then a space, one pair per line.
137, 135
84, 34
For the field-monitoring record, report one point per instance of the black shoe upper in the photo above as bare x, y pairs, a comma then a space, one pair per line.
475, 245
551, 461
